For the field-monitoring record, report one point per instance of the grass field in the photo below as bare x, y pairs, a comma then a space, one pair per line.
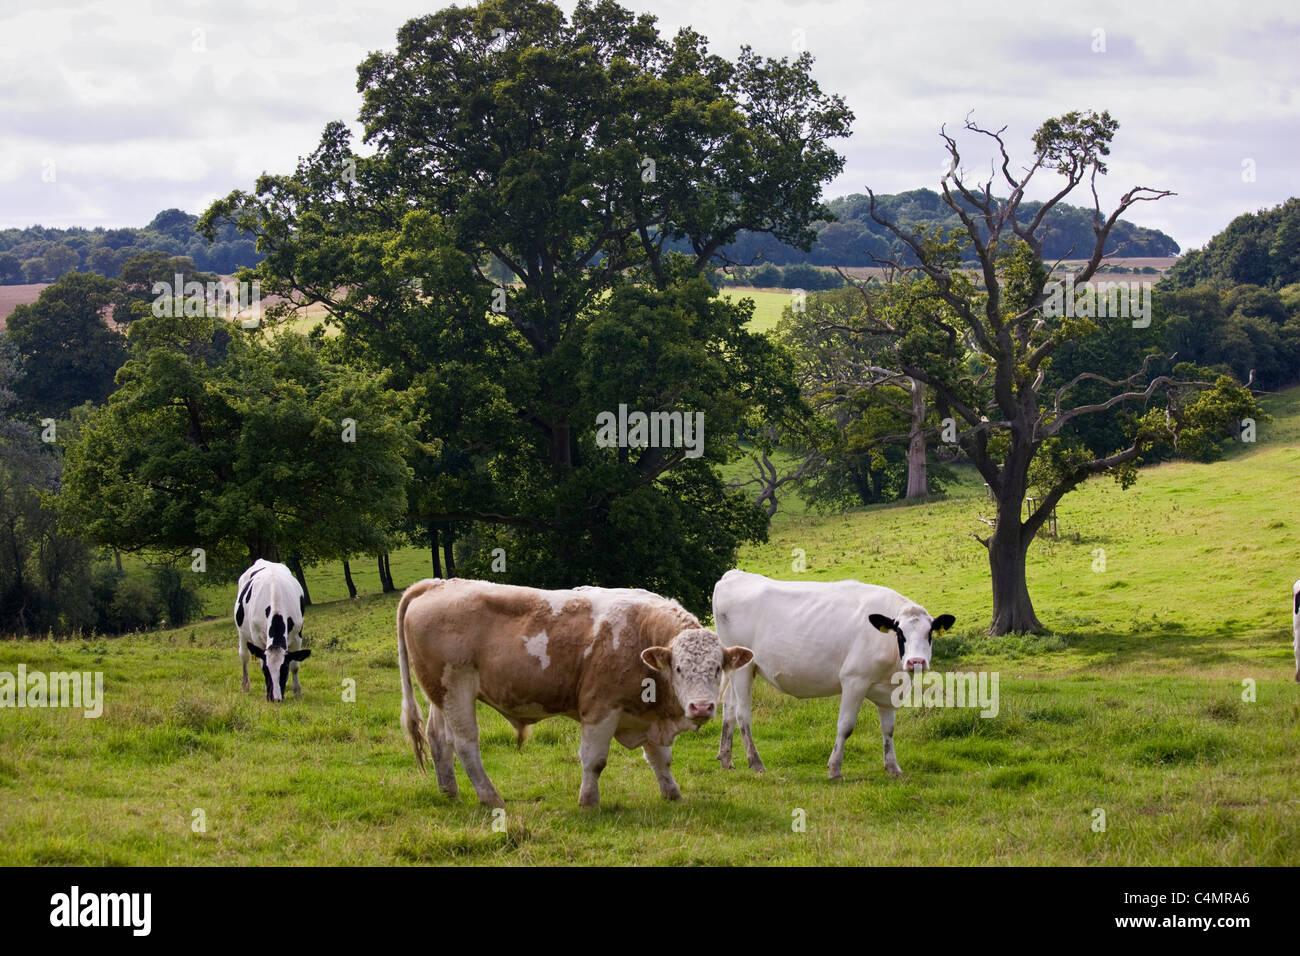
1132, 706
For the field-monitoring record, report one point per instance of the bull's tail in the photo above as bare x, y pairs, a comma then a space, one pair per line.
412, 719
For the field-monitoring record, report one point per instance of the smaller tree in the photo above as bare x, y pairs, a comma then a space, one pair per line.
243, 447
69, 353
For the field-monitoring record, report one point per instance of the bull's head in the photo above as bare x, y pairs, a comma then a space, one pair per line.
916, 632
694, 662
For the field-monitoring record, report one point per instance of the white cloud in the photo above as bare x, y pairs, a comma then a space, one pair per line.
148, 103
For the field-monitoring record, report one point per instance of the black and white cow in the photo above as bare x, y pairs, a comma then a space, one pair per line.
268, 613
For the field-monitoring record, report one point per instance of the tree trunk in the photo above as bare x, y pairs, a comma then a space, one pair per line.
117, 558
385, 576
1013, 611
448, 539
347, 579
917, 480
296, 567
433, 550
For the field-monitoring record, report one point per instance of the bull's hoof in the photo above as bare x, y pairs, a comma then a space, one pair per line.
726, 763
492, 801
894, 771
757, 766
673, 794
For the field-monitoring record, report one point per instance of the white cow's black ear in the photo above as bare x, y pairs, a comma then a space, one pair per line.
256, 651
941, 624
298, 655
882, 623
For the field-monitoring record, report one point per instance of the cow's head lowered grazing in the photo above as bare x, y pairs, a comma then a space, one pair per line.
277, 657
694, 662
916, 632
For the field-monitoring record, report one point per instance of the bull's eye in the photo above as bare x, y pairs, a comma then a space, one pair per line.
678, 669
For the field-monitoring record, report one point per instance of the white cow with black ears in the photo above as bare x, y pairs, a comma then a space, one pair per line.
268, 614
819, 639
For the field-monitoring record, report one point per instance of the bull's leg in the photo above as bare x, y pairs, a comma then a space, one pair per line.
293, 669
435, 732
660, 760
851, 694
462, 721
593, 750
243, 659
742, 680
887, 713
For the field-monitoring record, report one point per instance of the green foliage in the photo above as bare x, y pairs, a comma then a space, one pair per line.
44, 574
1260, 248
42, 254
1237, 329
237, 445
69, 354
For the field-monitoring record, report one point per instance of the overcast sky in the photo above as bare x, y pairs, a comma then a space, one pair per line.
132, 106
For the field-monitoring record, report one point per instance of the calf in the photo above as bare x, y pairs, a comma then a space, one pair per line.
819, 639
268, 615
626, 664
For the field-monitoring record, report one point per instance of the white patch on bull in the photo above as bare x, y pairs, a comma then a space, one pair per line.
536, 646
556, 599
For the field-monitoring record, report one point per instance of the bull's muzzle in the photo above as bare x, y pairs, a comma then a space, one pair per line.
700, 709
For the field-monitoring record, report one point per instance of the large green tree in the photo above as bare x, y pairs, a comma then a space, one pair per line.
569, 151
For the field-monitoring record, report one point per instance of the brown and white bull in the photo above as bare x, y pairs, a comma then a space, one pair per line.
628, 665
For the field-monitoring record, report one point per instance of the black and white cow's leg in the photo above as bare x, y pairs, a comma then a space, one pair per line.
851, 694
742, 680
887, 713
661, 760
293, 669
435, 732
593, 751
243, 659
728, 725
462, 722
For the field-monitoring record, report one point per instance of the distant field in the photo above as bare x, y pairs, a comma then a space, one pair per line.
12, 296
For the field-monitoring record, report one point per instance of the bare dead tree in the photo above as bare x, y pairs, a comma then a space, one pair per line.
1006, 327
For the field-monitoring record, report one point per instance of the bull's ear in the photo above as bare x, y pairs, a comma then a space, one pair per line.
657, 658
734, 657
882, 623
941, 624
298, 655
256, 651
